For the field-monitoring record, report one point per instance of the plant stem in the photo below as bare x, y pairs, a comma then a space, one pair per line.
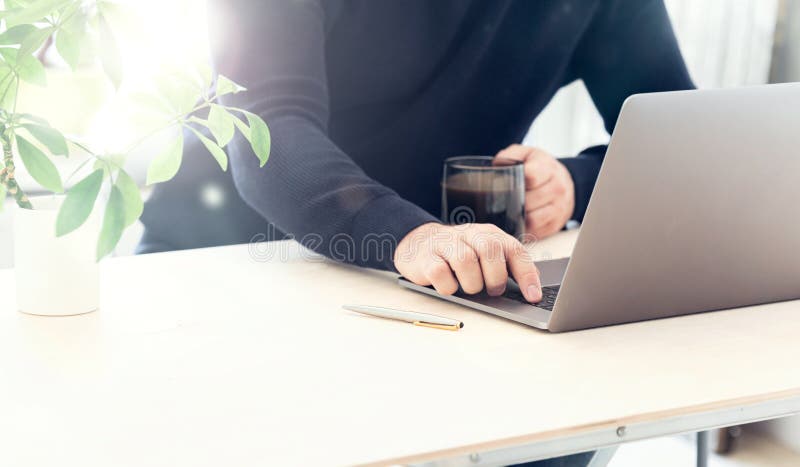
13, 76
7, 174
173, 121
78, 169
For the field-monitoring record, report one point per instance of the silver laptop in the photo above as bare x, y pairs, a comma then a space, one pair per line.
697, 208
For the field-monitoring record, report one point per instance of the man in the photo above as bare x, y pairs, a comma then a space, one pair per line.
366, 98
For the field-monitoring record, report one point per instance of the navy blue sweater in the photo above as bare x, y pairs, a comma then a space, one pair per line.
366, 98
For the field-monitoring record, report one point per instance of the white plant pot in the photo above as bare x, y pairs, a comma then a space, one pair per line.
55, 276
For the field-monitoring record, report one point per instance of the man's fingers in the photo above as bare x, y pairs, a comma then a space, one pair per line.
515, 152
440, 276
493, 264
538, 169
465, 263
544, 228
524, 270
542, 196
538, 172
540, 217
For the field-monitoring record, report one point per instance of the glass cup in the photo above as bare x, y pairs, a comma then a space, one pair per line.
478, 189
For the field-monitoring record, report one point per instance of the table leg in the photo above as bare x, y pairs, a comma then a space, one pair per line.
702, 448
602, 457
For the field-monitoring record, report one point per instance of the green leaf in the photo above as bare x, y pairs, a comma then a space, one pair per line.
8, 89
109, 52
113, 224
260, 138
34, 41
181, 98
9, 56
70, 39
69, 11
100, 165
34, 119
51, 138
34, 11
206, 75
257, 133
220, 122
27, 66
166, 164
15, 4
68, 46
226, 86
216, 151
131, 197
243, 128
2, 196
30, 69
17, 34
78, 203
10, 96
39, 166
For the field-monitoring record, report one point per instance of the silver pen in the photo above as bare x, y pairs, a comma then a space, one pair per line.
413, 317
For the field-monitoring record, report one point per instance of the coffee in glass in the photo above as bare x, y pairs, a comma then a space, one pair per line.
478, 189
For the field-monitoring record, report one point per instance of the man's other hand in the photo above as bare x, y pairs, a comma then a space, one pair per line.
472, 256
549, 190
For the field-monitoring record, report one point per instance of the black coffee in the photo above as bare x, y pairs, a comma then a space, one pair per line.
485, 198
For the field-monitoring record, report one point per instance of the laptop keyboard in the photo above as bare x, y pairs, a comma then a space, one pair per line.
548, 297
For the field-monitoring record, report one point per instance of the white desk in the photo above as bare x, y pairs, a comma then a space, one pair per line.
211, 358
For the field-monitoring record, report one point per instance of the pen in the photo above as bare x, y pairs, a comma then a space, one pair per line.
417, 319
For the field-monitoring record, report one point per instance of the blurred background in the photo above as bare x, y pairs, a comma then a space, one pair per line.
726, 43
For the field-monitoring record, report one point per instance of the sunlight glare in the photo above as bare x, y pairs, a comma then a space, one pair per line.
156, 38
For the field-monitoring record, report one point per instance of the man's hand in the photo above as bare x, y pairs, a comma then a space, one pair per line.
550, 192
476, 256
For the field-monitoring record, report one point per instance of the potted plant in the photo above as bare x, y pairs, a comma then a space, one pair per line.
60, 238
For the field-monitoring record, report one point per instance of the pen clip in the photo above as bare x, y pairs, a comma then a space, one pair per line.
446, 327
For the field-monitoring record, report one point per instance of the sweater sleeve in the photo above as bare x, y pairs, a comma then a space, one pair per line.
629, 48
309, 188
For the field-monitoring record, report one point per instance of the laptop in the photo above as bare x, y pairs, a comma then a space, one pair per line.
696, 209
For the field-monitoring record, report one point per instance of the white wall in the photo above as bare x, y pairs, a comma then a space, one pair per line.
725, 43
6, 237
